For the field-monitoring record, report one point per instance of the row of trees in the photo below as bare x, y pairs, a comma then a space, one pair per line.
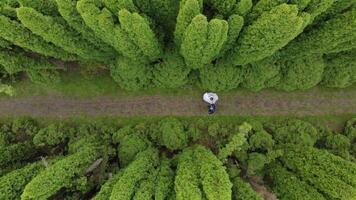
203, 159
217, 45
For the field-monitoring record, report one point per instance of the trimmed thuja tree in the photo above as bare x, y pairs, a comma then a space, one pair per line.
53, 30
202, 41
19, 35
269, 33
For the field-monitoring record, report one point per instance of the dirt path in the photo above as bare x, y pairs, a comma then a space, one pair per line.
314, 102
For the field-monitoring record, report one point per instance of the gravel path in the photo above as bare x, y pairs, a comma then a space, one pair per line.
313, 102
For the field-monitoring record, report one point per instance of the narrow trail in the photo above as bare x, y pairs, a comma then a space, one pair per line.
313, 102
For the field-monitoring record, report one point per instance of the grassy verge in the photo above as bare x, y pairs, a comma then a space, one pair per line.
335, 122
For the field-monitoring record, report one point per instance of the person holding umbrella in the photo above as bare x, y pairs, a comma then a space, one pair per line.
211, 99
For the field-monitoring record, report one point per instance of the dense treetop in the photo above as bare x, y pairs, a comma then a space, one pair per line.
214, 44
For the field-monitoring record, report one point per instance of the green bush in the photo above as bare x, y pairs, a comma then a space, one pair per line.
243, 191
260, 75
14, 63
293, 132
340, 70
131, 75
68, 173
46, 7
14, 153
236, 141
330, 37
52, 30
220, 77
329, 174
171, 73
289, 187
68, 10
202, 41
339, 145
18, 34
197, 172
134, 174
269, 33
188, 10
13, 183
170, 134
52, 135
301, 73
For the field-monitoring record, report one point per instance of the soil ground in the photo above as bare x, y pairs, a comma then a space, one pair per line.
265, 103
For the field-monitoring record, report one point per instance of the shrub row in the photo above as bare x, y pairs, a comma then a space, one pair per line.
217, 45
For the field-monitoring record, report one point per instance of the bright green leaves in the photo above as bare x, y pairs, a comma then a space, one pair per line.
301, 73
188, 10
203, 41
171, 72
269, 33
138, 30
18, 34
132, 36
335, 35
67, 9
340, 70
140, 169
236, 23
130, 75
201, 174
220, 77
63, 173
54, 31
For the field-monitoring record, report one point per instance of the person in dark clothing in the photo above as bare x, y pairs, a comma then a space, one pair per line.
212, 109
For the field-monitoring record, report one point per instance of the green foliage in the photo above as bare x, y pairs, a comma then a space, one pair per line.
130, 75
13, 183
130, 146
16, 33
236, 141
132, 175
139, 31
220, 77
170, 134
317, 7
53, 135
269, 33
165, 180
7, 90
263, 6
224, 7
199, 169
295, 132
189, 9
14, 153
235, 23
289, 187
329, 174
339, 145
43, 77
14, 63
4, 43
106, 188
262, 74
243, 7
302, 4
202, 41
301, 73
340, 70
52, 30
64, 173
171, 73
243, 190
46, 7
68, 11
326, 38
